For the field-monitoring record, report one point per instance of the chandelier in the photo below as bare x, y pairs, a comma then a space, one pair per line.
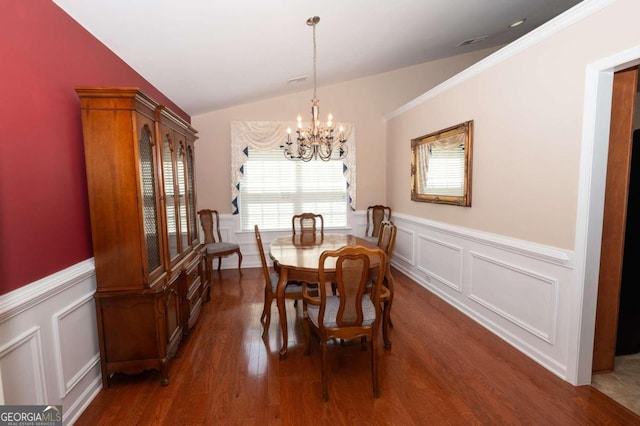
316, 140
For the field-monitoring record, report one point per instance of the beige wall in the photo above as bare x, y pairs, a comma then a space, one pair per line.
363, 102
528, 117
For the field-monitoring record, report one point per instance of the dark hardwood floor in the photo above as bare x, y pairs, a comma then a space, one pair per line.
443, 368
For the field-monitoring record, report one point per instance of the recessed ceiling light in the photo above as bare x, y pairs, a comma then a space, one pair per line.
515, 24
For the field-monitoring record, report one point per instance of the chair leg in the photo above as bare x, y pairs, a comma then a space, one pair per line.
219, 262
386, 319
388, 307
266, 312
210, 270
239, 262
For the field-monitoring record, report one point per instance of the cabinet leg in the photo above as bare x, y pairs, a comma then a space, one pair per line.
164, 371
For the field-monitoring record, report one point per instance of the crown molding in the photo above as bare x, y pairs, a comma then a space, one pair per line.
543, 32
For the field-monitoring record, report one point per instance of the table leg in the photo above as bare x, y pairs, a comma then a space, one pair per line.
282, 282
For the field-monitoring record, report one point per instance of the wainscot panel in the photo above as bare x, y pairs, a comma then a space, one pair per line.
517, 289
441, 260
49, 342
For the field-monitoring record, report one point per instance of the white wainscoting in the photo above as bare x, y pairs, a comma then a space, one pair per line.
49, 350
518, 290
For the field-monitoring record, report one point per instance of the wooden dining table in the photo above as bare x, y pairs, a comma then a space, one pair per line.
296, 258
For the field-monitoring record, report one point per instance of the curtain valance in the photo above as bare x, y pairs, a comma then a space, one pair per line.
268, 135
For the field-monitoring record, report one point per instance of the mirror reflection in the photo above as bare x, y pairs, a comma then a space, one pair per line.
441, 166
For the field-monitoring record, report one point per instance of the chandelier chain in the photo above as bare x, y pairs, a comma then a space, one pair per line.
315, 71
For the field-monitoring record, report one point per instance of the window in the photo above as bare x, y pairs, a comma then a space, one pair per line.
273, 189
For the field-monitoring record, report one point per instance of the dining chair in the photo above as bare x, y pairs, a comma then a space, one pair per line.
306, 225
386, 243
375, 216
354, 312
291, 291
307, 222
216, 248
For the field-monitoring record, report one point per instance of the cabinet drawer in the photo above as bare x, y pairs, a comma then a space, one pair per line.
192, 278
195, 305
194, 292
191, 295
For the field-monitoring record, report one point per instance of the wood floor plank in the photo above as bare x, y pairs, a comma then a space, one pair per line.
443, 368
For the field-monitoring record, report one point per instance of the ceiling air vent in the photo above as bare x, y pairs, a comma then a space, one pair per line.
296, 80
473, 41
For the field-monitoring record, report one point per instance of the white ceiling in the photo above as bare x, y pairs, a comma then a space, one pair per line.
211, 54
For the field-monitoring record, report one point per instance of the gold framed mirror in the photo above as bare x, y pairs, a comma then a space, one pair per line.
441, 166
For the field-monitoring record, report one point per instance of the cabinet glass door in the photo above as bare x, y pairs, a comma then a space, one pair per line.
182, 196
191, 201
149, 200
169, 193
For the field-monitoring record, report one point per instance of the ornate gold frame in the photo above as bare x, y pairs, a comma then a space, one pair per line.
418, 175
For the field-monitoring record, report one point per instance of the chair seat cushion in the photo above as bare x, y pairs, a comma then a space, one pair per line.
289, 288
373, 240
333, 303
213, 248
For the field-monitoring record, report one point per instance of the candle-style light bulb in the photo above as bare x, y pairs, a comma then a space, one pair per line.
288, 134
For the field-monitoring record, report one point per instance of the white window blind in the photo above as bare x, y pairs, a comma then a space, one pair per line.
446, 172
273, 189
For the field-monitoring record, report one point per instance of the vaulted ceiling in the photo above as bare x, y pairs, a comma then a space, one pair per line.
209, 54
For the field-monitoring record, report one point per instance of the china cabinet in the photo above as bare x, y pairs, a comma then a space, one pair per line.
149, 261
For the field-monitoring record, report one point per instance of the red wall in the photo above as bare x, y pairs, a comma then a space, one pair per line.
44, 216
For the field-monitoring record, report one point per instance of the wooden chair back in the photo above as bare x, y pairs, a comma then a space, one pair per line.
375, 216
353, 272
307, 222
387, 237
210, 222
386, 243
263, 259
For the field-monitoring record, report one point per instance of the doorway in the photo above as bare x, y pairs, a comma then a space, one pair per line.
616, 355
